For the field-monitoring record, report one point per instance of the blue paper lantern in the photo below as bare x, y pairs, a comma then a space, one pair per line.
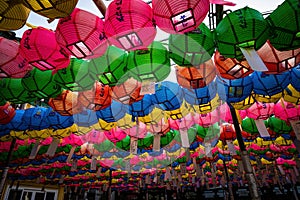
200, 95
35, 118
234, 90
86, 118
57, 121
17, 123
4, 130
295, 77
269, 84
113, 113
142, 107
168, 95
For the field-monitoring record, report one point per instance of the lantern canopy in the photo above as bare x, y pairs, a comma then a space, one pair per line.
44, 54
179, 17
13, 15
245, 28
51, 9
77, 76
81, 34
201, 95
41, 84
231, 68
129, 24
269, 84
234, 90
112, 113
12, 63
168, 95
196, 77
285, 26
7, 113
111, 66
192, 48
278, 61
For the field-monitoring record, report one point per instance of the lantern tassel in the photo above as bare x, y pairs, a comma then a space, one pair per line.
253, 59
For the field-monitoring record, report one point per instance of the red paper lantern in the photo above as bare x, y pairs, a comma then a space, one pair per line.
99, 97
81, 34
278, 61
227, 132
12, 64
7, 113
196, 77
231, 68
41, 49
127, 92
129, 24
65, 104
174, 16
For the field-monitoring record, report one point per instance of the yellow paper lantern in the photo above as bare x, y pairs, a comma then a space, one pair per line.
39, 134
20, 135
154, 117
290, 94
206, 108
246, 103
180, 112
126, 122
268, 99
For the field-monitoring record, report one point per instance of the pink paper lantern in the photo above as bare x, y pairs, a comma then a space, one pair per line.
137, 131
159, 128
93, 137
173, 16
81, 34
41, 49
183, 123
115, 135
286, 111
12, 63
206, 120
224, 112
129, 24
260, 110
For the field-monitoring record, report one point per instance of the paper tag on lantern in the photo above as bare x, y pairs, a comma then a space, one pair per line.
71, 154
148, 87
61, 180
296, 170
156, 142
74, 165
183, 168
296, 127
94, 163
183, 20
127, 166
130, 41
281, 169
262, 129
52, 147
208, 152
35, 149
254, 59
167, 174
184, 139
155, 178
147, 179
99, 172
133, 145
231, 147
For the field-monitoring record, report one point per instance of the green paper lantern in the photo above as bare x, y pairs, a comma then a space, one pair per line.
285, 26
279, 126
111, 68
249, 126
41, 84
152, 64
13, 91
146, 142
124, 144
77, 76
168, 137
192, 48
105, 146
245, 28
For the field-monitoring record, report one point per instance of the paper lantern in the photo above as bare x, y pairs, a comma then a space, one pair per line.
81, 34
39, 134
127, 92
7, 113
13, 64
65, 104
34, 117
279, 126
99, 97
77, 76
208, 107
285, 26
192, 48
150, 64
44, 54
57, 121
196, 77
13, 91
47, 88
174, 17
201, 95
112, 113
115, 135
142, 107
260, 110
13, 15
295, 76
154, 117
85, 119
227, 132
168, 95
179, 113
60, 133
185, 122
223, 111
244, 28
111, 67
278, 61
266, 98
234, 90
208, 119
286, 111
291, 95
137, 131
246, 103
248, 125
160, 128
129, 24
17, 123
51, 8
231, 68
269, 84
126, 122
